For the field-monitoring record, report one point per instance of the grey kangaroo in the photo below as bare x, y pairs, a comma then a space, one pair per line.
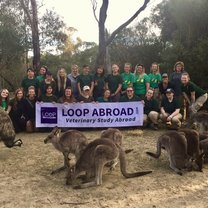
71, 141
193, 148
7, 133
92, 161
175, 144
116, 136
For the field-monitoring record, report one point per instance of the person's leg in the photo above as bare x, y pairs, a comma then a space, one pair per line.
198, 103
176, 121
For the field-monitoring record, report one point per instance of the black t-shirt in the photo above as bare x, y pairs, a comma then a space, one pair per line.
168, 106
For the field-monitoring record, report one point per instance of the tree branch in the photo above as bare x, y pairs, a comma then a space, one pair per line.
26, 10
94, 8
121, 27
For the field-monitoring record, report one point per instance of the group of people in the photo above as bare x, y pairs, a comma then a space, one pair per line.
165, 98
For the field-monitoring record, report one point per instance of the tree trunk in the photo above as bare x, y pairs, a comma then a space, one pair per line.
33, 20
104, 40
35, 36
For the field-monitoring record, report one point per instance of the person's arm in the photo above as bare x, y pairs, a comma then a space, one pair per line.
186, 98
118, 89
79, 88
92, 87
9, 109
175, 113
193, 97
162, 110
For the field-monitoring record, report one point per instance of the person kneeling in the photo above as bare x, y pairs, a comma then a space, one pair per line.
151, 110
170, 110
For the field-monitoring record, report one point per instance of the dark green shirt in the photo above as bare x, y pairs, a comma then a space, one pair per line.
150, 105
113, 82
168, 106
85, 80
125, 98
30, 82
191, 87
48, 99
102, 100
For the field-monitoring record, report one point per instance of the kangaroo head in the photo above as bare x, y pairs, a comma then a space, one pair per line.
55, 133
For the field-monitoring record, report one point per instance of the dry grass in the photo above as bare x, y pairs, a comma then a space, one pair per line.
26, 181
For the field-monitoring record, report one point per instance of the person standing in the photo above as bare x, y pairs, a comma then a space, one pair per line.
128, 78
175, 79
113, 82
73, 77
62, 82
30, 80
142, 81
85, 79
99, 83
42, 73
155, 78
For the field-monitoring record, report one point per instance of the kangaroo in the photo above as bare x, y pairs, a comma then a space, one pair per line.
198, 121
7, 133
203, 144
175, 144
116, 136
193, 149
92, 161
71, 141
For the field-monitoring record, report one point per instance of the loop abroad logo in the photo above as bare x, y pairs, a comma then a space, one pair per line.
49, 115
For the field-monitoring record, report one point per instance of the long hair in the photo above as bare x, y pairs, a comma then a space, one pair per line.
7, 98
61, 83
15, 97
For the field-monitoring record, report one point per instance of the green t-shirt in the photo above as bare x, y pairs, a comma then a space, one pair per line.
85, 80
140, 84
154, 80
113, 82
191, 87
128, 79
40, 78
4, 104
125, 98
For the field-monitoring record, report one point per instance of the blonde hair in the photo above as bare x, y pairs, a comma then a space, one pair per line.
59, 79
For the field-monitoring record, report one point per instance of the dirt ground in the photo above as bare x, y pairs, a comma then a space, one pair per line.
25, 179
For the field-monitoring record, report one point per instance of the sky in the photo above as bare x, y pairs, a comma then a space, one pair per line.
79, 14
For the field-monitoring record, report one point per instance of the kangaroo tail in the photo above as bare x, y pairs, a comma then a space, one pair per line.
158, 153
122, 159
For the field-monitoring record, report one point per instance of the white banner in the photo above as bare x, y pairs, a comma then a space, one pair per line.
88, 115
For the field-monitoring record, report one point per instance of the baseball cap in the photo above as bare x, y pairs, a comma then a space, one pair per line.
86, 88
164, 75
169, 90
